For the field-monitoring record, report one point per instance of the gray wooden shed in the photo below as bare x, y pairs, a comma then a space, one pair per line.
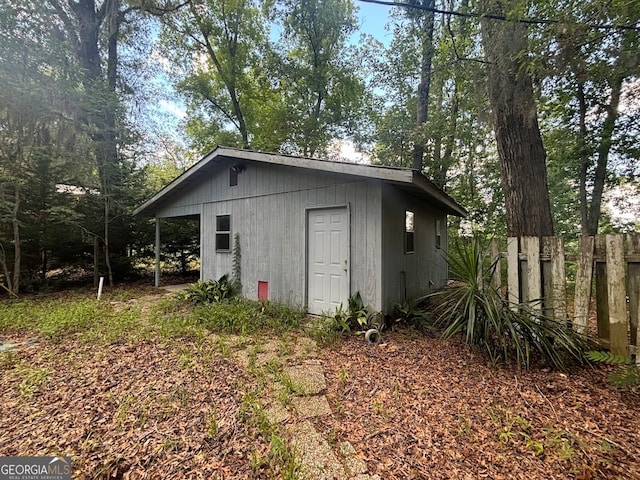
312, 232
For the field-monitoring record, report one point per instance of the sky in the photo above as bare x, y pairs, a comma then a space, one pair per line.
373, 19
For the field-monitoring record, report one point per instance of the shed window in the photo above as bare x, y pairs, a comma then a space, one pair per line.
233, 176
223, 233
409, 241
438, 234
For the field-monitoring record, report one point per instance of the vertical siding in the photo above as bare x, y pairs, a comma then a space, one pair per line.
418, 272
268, 209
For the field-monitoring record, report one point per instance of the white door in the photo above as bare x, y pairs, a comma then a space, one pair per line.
328, 257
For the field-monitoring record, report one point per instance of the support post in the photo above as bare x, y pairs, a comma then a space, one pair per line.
157, 272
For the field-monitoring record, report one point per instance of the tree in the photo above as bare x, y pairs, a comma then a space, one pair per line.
457, 156
515, 120
218, 47
591, 69
425, 24
94, 31
36, 138
322, 91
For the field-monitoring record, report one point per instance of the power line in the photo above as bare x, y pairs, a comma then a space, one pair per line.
528, 21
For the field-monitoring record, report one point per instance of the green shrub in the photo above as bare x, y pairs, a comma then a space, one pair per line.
210, 291
358, 317
415, 316
506, 332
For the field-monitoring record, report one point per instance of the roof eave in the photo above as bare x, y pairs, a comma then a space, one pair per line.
424, 184
401, 176
181, 179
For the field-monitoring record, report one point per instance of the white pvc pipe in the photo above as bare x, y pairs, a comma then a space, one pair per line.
100, 287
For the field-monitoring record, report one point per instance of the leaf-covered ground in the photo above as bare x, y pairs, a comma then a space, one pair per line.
148, 410
174, 402
418, 407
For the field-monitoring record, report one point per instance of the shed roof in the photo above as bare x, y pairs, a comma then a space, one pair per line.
406, 178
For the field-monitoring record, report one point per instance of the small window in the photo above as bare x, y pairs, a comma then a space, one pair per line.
438, 234
409, 241
223, 233
233, 176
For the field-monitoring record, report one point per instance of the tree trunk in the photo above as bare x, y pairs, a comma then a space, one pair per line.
96, 261
101, 92
107, 257
520, 149
422, 113
584, 155
17, 250
45, 265
591, 210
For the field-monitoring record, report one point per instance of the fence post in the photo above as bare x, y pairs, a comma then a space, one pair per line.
513, 272
582, 299
616, 293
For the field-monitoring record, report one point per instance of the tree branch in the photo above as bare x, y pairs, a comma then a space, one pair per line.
527, 21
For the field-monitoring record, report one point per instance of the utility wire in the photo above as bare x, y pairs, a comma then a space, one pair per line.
528, 21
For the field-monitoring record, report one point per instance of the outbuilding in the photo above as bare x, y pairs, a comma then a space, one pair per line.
312, 232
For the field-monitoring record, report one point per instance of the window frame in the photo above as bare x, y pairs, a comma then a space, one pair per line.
438, 234
409, 232
223, 233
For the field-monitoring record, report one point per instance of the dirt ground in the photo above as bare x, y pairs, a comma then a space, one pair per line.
412, 407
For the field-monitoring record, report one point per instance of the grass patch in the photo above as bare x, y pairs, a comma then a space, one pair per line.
322, 331
52, 318
33, 379
280, 460
245, 317
102, 322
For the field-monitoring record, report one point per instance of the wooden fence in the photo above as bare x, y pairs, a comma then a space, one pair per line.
537, 273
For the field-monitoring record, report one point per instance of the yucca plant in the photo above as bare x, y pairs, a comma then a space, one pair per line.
472, 307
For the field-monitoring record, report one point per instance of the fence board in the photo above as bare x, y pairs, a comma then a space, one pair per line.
616, 293
558, 279
632, 249
582, 298
547, 277
602, 303
534, 280
513, 272
536, 274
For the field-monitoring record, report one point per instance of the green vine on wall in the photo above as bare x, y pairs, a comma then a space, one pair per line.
237, 259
